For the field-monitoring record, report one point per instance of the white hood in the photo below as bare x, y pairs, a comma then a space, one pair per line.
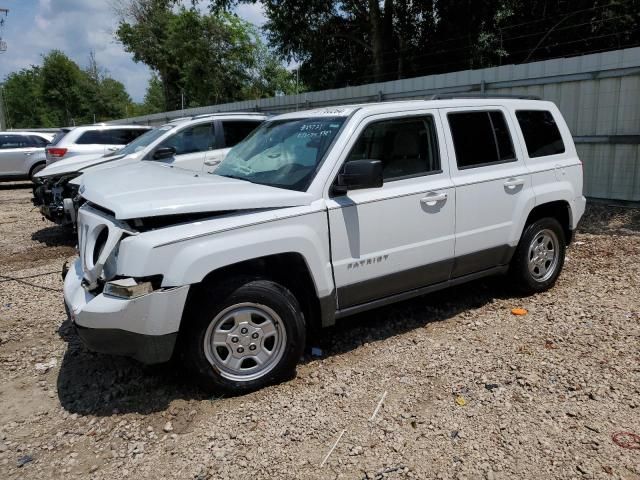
76, 164
149, 189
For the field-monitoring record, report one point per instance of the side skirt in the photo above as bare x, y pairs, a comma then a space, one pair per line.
420, 291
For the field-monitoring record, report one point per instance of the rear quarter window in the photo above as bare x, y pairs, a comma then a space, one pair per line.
95, 137
540, 132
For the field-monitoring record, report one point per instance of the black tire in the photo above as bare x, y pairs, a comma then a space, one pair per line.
35, 169
521, 276
210, 302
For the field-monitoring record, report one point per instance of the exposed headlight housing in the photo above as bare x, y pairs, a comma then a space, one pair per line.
128, 288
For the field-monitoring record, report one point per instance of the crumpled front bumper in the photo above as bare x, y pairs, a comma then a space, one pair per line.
145, 328
56, 201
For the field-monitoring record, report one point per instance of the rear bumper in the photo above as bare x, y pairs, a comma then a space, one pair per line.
578, 207
145, 328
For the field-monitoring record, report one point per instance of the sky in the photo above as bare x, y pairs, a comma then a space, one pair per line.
33, 27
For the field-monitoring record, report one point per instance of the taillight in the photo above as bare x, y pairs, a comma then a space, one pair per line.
56, 152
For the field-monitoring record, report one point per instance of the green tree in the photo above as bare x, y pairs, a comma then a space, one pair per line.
541, 29
271, 78
154, 97
62, 90
60, 93
346, 41
205, 59
340, 42
23, 103
111, 100
105, 97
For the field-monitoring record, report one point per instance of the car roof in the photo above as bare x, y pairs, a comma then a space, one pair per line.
104, 126
25, 132
434, 101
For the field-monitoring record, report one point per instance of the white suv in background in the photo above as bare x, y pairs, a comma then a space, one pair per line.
22, 154
91, 140
319, 215
197, 143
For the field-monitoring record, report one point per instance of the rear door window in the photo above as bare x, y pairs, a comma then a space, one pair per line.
540, 133
13, 141
237, 130
95, 137
197, 138
480, 138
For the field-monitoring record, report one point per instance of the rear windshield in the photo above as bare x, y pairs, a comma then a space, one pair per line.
59, 136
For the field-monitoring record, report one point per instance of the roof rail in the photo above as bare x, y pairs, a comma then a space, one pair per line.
213, 114
178, 119
449, 96
201, 115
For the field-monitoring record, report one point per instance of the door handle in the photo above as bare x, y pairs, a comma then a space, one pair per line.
113, 149
28, 154
432, 198
212, 161
512, 183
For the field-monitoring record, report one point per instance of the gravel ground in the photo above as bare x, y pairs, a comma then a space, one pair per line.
460, 387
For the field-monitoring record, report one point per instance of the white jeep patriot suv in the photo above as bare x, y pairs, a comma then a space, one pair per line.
315, 216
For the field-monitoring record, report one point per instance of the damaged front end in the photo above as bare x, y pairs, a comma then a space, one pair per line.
58, 198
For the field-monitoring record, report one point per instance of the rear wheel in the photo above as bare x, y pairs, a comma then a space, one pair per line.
539, 257
35, 169
243, 336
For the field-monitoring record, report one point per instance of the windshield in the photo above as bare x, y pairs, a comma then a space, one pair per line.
282, 153
142, 141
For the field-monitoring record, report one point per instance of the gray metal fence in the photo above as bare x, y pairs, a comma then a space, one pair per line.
598, 94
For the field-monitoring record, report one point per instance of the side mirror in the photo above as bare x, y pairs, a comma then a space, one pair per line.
163, 153
358, 174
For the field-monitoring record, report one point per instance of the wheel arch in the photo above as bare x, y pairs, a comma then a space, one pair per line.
558, 209
36, 164
290, 269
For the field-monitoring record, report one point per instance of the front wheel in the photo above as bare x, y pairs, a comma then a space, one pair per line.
243, 335
539, 257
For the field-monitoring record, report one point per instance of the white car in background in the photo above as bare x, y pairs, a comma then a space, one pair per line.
91, 140
22, 154
197, 143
